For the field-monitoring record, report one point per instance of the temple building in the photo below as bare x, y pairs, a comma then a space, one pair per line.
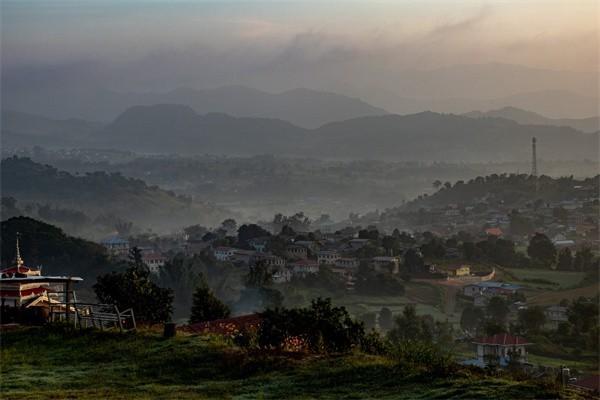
20, 292
23, 287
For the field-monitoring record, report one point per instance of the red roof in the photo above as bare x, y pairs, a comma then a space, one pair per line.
22, 293
494, 231
15, 269
502, 339
589, 383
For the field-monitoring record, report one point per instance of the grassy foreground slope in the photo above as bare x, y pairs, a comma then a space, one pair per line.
43, 363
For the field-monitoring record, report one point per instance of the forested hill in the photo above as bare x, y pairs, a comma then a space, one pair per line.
422, 136
510, 190
45, 245
99, 193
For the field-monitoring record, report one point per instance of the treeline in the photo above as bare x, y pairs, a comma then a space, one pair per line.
510, 190
100, 193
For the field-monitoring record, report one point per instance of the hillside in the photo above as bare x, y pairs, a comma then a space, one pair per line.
99, 193
423, 136
45, 245
23, 129
303, 107
524, 117
172, 128
168, 127
512, 190
144, 365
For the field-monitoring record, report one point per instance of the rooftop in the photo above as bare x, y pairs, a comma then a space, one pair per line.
502, 339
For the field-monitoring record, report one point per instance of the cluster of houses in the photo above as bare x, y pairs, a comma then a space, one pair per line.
119, 247
302, 258
299, 258
576, 225
481, 292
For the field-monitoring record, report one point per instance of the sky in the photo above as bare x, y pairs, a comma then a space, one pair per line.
357, 46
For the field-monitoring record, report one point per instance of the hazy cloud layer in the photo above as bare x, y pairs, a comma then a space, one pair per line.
377, 51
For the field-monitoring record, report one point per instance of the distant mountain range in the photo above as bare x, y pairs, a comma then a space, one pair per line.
95, 92
23, 129
168, 128
524, 117
302, 107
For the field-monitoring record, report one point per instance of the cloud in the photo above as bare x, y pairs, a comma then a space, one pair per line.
465, 25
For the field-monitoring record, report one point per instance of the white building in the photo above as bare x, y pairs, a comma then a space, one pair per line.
223, 253
328, 257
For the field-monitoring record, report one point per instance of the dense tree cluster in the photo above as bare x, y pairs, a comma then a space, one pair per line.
134, 289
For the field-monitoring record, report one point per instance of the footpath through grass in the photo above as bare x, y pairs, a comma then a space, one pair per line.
43, 363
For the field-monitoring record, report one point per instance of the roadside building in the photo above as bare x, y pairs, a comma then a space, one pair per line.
222, 253
386, 264
459, 270
347, 263
282, 275
116, 245
555, 315
304, 267
328, 257
153, 260
295, 252
500, 349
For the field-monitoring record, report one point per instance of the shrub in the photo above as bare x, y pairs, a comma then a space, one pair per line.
319, 328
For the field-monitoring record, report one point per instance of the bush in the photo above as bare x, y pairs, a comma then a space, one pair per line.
422, 357
373, 343
319, 328
206, 306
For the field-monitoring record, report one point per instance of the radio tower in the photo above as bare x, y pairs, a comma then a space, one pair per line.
533, 158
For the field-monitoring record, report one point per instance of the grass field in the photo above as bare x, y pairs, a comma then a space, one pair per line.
428, 299
42, 364
554, 297
561, 279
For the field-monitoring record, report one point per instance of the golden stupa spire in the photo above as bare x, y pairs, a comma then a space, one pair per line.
19, 259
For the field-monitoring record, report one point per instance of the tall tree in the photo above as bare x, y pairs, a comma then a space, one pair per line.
134, 289
542, 250
206, 306
532, 319
385, 319
497, 309
565, 260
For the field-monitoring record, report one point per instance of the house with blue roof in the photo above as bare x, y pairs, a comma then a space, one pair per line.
490, 288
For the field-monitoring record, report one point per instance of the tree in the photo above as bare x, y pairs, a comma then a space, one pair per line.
436, 184
251, 231
134, 289
532, 319
565, 260
386, 321
322, 327
410, 327
583, 314
497, 309
519, 224
472, 318
229, 225
583, 259
542, 250
368, 319
195, 232
413, 261
206, 306
259, 275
